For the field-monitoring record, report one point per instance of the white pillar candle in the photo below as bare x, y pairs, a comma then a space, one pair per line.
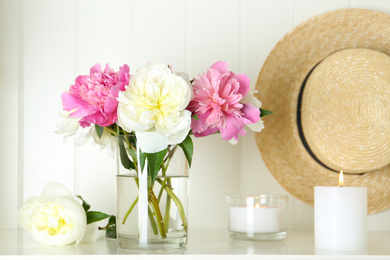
340, 218
253, 220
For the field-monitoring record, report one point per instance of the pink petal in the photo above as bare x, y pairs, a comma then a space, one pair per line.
251, 113
75, 89
221, 66
95, 68
124, 74
197, 125
69, 103
80, 80
213, 78
83, 123
111, 102
98, 118
107, 68
244, 83
234, 127
206, 132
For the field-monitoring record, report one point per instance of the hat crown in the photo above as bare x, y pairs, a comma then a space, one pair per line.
345, 111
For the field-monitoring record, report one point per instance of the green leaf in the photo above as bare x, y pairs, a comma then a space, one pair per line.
95, 216
131, 152
154, 163
99, 130
265, 112
126, 162
111, 228
112, 220
86, 206
188, 148
142, 158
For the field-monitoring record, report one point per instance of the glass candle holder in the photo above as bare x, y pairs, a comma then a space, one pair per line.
261, 217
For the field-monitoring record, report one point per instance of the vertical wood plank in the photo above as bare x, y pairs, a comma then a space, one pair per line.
160, 33
213, 36
9, 26
48, 55
103, 36
265, 23
103, 33
307, 8
375, 5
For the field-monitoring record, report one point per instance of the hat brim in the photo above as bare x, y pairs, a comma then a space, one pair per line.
279, 84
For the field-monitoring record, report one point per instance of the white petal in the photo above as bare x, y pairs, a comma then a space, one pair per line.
82, 135
126, 122
256, 127
68, 126
55, 189
233, 141
184, 123
25, 212
179, 136
251, 99
156, 140
151, 141
106, 141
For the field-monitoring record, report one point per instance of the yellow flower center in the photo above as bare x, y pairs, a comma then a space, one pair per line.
157, 103
52, 219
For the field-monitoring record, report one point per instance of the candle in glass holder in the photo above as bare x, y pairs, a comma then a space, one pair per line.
257, 217
340, 217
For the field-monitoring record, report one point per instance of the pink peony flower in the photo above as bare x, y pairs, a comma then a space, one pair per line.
217, 103
93, 98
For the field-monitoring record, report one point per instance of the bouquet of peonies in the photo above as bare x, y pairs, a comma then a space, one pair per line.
157, 110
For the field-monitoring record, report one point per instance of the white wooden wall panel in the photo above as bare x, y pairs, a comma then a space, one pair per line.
159, 33
262, 30
102, 33
45, 44
9, 143
48, 66
306, 8
214, 33
213, 36
376, 5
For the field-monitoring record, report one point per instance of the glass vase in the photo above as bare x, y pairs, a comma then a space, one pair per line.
163, 224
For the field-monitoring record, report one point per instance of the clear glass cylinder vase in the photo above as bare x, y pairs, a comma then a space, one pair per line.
163, 224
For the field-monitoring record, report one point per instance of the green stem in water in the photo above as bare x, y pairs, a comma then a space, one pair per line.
152, 221
150, 214
129, 211
178, 204
167, 209
161, 189
156, 208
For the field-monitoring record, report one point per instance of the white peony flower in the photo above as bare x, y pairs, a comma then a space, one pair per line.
55, 217
153, 105
70, 127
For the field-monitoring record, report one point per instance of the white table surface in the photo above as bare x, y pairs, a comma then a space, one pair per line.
202, 244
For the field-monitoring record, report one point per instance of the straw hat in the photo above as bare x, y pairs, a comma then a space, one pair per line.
328, 84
